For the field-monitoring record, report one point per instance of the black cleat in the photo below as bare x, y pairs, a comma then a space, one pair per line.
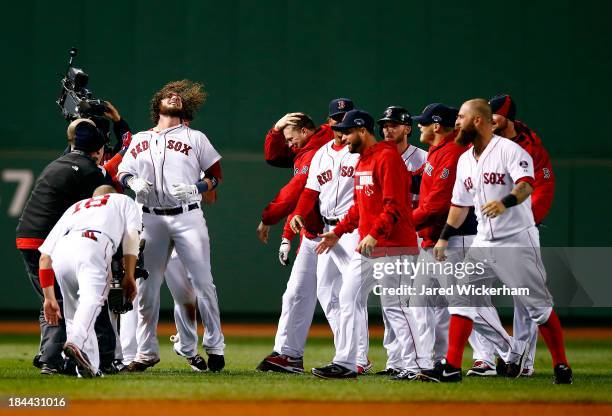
333, 371
263, 365
47, 370
197, 363
514, 370
563, 374
216, 362
501, 367
391, 372
406, 375
139, 367
444, 373
82, 361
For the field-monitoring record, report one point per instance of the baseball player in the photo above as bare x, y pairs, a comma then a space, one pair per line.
383, 215
163, 166
496, 177
524, 329
396, 127
93, 228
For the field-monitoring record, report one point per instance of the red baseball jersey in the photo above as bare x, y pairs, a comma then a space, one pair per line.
382, 202
277, 153
544, 191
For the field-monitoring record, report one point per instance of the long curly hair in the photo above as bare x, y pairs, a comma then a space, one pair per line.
192, 95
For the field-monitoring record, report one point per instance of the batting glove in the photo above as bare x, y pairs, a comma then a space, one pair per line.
184, 192
141, 186
283, 252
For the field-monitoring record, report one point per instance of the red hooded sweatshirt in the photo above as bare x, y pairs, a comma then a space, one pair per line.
382, 202
277, 153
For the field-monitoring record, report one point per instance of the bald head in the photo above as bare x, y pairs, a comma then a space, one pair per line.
103, 190
480, 106
474, 121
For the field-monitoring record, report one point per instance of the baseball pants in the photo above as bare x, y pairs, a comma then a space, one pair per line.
84, 281
358, 282
188, 235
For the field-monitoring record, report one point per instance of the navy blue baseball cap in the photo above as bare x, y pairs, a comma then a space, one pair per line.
355, 118
339, 106
88, 138
437, 113
503, 105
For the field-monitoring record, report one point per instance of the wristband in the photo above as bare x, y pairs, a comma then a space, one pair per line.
448, 231
509, 200
203, 185
46, 277
124, 180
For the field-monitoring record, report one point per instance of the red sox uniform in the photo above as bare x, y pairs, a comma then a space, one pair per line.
541, 201
330, 183
507, 245
176, 155
414, 158
93, 228
382, 208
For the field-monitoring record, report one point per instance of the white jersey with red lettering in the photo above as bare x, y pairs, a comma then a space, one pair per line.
171, 156
501, 165
331, 174
110, 215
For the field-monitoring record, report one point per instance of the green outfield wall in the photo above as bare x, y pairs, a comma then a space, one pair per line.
259, 60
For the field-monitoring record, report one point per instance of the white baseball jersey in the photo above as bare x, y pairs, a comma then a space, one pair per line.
490, 178
414, 157
331, 174
110, 215
171, 156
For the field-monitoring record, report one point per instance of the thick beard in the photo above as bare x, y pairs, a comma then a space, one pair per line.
466, 135
170, 111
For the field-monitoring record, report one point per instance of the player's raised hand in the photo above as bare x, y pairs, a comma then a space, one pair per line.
263, 231
129, 288
52, 311
439, 250
283, 252
296, 224
112, 112
140, 186
288, 119
183, 192
366, 245
493, 209
328, 240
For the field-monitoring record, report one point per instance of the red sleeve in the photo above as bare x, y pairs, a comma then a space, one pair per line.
112, 166
350, 221
276, 151
306, 203
391, 183
215, 170
544, 192
437, 201
285, 201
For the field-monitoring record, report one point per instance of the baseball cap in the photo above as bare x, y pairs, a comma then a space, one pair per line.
396, 114
503, 105
340, 106
355, 118
437, 113
88, 138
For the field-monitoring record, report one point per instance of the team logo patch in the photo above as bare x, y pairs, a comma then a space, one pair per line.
341, 105
523, 164
359, 122
305, 170
445, 173
546, 172
295, 171
388, 112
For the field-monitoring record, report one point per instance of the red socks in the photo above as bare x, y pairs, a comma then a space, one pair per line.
553, 336
459, 331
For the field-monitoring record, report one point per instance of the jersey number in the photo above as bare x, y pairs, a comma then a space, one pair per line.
347, 171
97, 201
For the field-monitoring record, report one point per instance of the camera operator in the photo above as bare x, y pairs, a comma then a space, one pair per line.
70, 178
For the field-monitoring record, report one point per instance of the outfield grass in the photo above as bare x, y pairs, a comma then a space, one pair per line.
173, 379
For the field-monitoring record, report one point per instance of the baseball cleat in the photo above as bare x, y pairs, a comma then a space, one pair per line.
47, 370
282, 363
527, 372
406, 375
263, 366
197, 363
481, 369
501, 367
563, 374
364, 369
389, 372
216, 362
444, 373
514, 370
139, 366
333, 371
83, 364
116, 366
